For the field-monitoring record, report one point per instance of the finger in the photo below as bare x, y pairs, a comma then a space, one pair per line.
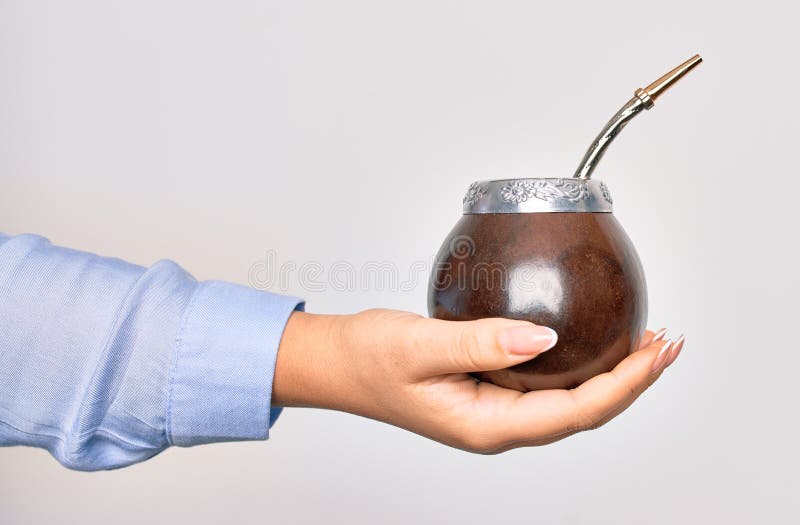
654, 376
658, 336
547, 414
602, 397
672, 354
647, 338
442, 347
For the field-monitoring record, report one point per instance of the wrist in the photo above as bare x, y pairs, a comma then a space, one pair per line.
307, 361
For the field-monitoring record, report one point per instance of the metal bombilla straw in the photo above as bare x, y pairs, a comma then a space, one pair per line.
642, 99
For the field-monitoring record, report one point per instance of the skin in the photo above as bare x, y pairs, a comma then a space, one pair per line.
413, 372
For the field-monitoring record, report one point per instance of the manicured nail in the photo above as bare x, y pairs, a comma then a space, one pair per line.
527, 340
676, 350
662, 356
660, 335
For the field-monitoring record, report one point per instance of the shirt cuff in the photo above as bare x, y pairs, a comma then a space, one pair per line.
224, 364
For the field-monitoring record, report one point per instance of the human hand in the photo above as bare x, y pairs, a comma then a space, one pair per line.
413, 372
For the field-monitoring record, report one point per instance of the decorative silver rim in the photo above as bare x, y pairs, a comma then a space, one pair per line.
537, 196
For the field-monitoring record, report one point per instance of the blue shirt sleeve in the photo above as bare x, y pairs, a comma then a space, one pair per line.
105, 363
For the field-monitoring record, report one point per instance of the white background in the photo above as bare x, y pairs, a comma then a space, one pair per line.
212, 132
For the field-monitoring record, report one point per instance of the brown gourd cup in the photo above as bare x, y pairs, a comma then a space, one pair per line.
575, 271
550, 251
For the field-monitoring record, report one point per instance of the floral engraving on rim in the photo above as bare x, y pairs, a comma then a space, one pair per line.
570, 190
606, 193
474, 193
517, 191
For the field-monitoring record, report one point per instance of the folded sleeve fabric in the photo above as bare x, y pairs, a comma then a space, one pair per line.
105, 363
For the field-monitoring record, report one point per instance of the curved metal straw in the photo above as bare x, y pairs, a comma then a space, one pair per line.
642, 99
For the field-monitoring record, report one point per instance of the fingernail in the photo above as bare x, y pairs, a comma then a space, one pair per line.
662, 356
676, 350
527, 340
660, 335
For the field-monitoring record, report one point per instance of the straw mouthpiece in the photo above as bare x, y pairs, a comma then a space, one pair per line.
649, 94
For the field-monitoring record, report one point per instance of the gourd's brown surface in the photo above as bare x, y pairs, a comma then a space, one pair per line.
577, 273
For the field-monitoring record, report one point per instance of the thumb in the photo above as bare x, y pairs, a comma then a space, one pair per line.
479, 346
